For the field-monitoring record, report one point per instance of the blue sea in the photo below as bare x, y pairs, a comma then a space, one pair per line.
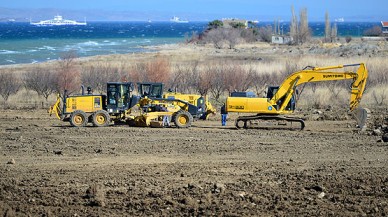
24, 43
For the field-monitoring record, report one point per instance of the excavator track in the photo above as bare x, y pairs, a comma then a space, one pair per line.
246, 122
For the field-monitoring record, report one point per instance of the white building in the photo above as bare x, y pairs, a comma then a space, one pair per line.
281, 39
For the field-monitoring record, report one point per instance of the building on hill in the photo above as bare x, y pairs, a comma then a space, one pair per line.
384, 25
281, 39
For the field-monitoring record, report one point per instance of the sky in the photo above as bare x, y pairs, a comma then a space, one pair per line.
351, 10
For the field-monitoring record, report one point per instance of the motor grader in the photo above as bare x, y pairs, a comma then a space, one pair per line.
280, 100
121, 105
195, 104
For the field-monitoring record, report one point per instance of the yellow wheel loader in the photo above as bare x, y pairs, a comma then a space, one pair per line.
280, 100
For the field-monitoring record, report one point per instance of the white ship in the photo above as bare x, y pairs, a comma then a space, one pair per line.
339, 20
58, 21
178, 20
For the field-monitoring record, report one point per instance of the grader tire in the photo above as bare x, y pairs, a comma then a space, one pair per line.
182, 119
78, 118
100, 118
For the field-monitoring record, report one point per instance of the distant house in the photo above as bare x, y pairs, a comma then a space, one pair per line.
281, 39
385, 27
231, 22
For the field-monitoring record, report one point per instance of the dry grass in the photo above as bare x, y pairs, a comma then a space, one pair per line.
261, 58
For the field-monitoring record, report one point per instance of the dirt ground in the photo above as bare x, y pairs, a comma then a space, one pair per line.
50, 169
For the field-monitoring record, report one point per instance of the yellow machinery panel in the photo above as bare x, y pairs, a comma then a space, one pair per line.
249, 105
190, 98
85, 103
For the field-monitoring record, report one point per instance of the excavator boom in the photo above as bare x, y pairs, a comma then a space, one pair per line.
287, 88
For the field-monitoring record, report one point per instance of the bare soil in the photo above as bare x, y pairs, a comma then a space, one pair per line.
48, 168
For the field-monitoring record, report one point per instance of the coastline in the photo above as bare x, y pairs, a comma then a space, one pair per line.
246, 51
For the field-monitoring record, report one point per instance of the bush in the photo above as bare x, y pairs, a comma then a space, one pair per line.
374, 31
265, 33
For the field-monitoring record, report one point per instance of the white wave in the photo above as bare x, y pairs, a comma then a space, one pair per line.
10, 61
47, 48
89, 43
8, 52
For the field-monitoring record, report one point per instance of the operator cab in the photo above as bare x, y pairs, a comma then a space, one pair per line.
272, 91
150, 90
243, 94
119, 96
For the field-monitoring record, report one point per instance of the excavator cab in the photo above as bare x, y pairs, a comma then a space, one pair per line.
119, 97
272, 91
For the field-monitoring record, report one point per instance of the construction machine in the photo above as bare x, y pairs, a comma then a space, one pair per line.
122, 105
195, 104
280, 100
100, 110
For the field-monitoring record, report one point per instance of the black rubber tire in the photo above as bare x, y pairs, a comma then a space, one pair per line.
101, 118
78, 118
182, 119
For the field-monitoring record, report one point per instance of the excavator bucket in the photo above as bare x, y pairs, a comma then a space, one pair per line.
358, 85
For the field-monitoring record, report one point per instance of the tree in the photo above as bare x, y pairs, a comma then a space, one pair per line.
299, 31
265, 33
96, 76
334, 33
9, 84
294, 28
40, 80
215, 24
374, 31
201, 81
238, 25
180, 79
224, 37
327, 27
304, 31
68, 75
156, 70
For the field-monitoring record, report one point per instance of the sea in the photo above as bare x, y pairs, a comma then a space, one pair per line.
22, 43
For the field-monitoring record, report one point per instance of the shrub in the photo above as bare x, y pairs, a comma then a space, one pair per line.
374, 31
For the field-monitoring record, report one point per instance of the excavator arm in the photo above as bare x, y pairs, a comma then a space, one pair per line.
287, 88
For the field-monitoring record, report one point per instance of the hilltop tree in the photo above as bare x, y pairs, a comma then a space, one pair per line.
215, 24
237, 25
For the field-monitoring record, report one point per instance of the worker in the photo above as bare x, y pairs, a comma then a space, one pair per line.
224, 115
166, 118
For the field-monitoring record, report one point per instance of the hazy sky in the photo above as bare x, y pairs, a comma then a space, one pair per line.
374, 10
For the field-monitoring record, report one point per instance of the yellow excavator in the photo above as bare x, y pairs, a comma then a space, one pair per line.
280, 100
